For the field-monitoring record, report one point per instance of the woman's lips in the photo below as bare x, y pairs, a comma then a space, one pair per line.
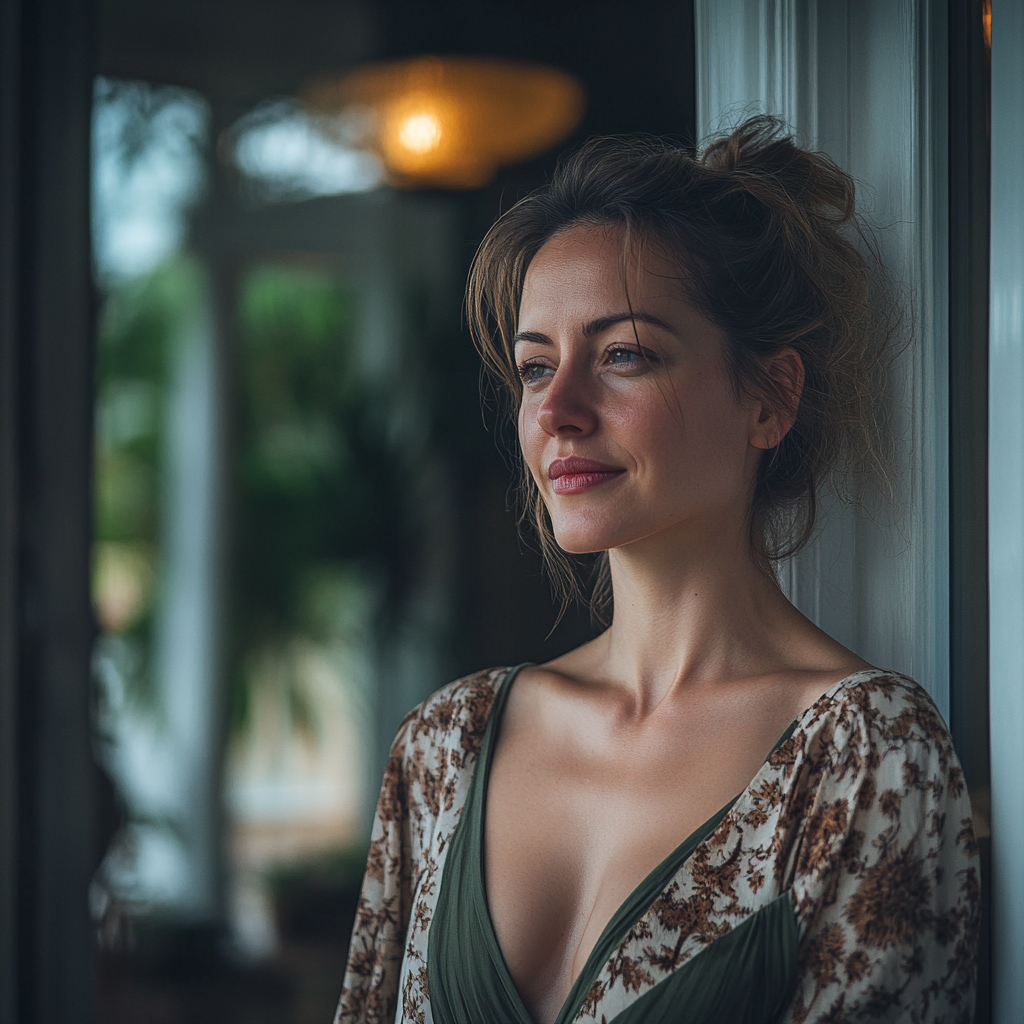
573, 475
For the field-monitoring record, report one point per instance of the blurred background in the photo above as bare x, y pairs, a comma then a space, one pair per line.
302, 511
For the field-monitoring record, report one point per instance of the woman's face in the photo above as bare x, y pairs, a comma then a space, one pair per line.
629, 423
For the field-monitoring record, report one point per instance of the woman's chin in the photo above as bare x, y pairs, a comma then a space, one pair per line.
588, 542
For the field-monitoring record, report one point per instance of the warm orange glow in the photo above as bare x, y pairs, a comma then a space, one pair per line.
452, 122
420, 133
986, 21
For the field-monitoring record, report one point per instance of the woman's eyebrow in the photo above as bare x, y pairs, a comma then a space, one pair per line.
535, 336
599, 326
604, 323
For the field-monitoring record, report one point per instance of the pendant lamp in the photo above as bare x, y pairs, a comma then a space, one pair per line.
449, 122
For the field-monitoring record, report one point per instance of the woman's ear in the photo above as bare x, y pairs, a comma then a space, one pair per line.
777, 410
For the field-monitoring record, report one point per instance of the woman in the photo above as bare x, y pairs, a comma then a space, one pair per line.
713, 811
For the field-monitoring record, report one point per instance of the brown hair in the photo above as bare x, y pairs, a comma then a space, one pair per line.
771, 250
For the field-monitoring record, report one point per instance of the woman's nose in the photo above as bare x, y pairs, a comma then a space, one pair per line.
567, 407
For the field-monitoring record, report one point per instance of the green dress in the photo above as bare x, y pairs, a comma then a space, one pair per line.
743, 977
841, 885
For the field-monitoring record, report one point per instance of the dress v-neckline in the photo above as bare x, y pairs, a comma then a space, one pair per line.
635, 904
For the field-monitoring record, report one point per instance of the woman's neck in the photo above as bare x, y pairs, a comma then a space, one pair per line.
692, 609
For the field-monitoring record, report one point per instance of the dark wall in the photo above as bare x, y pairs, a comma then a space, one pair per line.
46, 326
969, 219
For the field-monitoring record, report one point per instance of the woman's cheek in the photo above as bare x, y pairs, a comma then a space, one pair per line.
529, 443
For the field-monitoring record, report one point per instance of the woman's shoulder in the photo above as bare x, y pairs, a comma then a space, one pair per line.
883, 700
454, 717
879, 718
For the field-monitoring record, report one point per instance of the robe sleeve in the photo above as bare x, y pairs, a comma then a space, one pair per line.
885, 874
370, 991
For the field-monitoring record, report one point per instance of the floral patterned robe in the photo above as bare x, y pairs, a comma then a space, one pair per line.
861, 816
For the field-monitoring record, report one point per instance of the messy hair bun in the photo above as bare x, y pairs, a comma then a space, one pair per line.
771, 250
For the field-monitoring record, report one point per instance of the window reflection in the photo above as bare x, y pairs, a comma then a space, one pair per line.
284, 155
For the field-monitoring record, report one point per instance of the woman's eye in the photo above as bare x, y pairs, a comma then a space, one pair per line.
533, 372
625, 356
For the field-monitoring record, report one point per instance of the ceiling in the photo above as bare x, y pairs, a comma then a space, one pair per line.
634, 59
235, 52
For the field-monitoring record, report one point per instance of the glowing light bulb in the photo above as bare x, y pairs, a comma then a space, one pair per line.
420, 132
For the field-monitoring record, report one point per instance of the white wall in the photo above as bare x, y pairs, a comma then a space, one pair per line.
859, 80
1006, 511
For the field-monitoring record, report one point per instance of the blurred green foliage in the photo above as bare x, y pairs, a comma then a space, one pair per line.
324, 531
318, 521
141, 321
140, 326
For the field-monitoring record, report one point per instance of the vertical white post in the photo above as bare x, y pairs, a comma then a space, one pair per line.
1006, 511
862, 81
190, 622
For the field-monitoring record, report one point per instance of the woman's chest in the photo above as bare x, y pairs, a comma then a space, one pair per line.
569, 834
